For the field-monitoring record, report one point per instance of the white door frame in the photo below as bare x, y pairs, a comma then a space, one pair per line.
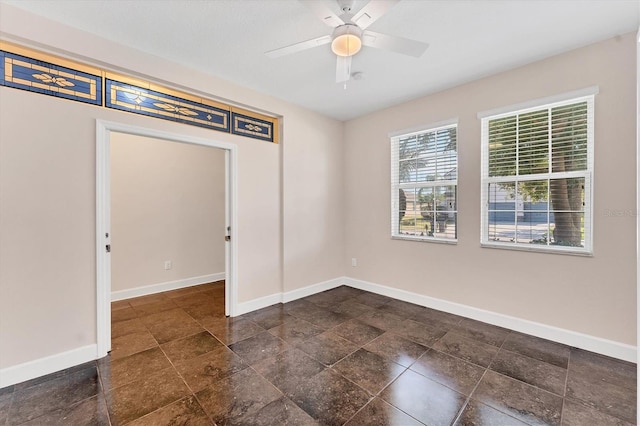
103, 219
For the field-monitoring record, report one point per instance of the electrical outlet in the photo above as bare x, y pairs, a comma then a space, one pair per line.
168, 265
354, 262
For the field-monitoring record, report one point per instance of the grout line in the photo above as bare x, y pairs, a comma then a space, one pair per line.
160, 408
13, 396
193, 394
565, 392
463, 407
500, 348
104, 391
468, 399
398, 408
66, 407
486, 369
360, 409
331, 367
106, 407
579, 401
278, 389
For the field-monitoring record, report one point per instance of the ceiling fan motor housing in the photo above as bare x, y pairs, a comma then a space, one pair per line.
347, 29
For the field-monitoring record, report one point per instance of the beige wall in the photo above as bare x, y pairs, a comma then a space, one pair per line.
313, 230
593, 295
167, 204
47, 194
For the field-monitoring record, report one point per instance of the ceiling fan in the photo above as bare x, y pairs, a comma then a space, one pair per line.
350, 34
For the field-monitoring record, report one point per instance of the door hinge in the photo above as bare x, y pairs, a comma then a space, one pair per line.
108, 248
227, 237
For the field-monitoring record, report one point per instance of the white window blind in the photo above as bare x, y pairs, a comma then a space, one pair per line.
424, 182
537, 167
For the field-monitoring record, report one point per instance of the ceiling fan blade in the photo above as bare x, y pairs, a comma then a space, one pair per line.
323, 12
343, 68
372, 11
394, 44
298, 47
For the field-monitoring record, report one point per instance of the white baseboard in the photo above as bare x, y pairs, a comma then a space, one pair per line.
259, 303
57, 362
166, 286
272, 299
47, 365
312, 289
572, 338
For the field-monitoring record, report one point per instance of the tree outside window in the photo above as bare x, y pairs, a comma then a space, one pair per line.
424, 184
537, 168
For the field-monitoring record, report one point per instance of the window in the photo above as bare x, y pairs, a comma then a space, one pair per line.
537, 167
424, 184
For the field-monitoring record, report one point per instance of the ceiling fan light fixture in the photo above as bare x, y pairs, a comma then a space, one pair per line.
347, 40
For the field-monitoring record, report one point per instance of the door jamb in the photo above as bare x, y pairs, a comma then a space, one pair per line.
103, 219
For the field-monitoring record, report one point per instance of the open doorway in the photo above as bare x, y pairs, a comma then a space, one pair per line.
116, 133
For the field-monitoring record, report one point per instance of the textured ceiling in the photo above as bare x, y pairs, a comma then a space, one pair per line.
228, 38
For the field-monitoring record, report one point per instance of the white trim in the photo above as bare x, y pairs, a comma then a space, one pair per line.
57, 362
259, 303
587, 175
272, 299
421, 129
47, 365
231, 247
587, 91
537, 248
397, 186
103, 237
453, 241
227, 229
165, 286
556, 334
312, 289
103, 221
638, 192
568, 337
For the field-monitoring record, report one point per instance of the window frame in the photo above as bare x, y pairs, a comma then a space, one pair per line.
394, 139
588, 96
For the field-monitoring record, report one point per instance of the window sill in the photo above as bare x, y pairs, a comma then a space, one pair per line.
538, 249
425, 240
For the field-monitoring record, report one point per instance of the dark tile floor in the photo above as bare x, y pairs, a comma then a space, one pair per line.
343, 356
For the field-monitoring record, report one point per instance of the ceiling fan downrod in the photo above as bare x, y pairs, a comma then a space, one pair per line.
346, 5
